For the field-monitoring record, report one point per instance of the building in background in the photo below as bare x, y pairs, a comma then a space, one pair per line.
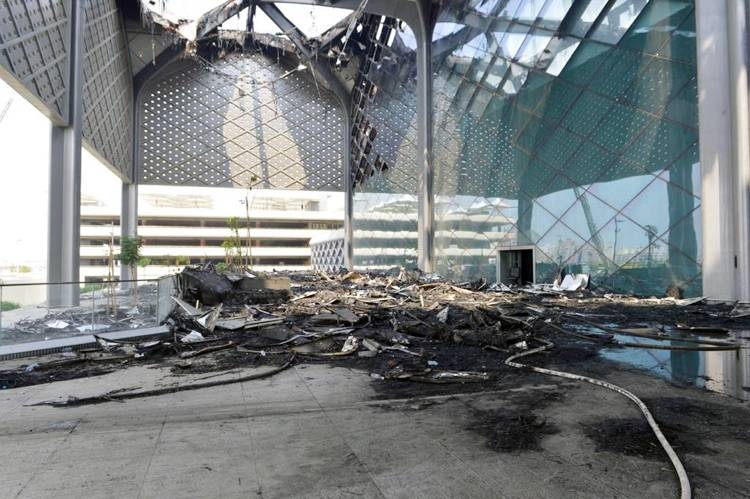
187, 225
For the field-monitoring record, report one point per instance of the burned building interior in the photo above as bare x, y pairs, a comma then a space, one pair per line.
537, 284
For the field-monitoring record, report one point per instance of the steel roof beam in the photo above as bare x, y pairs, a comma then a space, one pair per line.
301, 42
195, 29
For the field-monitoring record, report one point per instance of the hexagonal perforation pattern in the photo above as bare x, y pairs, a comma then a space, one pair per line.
246, 120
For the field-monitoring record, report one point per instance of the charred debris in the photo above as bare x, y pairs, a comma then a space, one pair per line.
415, 334
398, 326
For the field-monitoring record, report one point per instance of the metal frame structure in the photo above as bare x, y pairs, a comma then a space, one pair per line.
65, 174
59, 39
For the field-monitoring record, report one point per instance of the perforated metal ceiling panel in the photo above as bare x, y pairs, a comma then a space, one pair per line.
108, 86
245, 120
33, 47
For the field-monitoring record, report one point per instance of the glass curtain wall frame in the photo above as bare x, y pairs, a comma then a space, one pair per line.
570, 126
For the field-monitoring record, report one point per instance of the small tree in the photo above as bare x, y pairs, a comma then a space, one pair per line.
130, 255
233, 246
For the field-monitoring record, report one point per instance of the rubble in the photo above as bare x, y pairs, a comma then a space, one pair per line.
210, 288
573, 282
412, 334
94, 315
405, 326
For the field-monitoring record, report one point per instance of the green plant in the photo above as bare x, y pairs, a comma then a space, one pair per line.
91, 286
9, 305
24, 269
181, 260
233, 245
130, 255
144, 261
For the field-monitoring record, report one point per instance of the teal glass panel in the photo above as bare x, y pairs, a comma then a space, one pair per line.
660, 144
682, 45
585, 63
588, 164
657, 83
581, 118
561, 96
617, 20
587, 112
559, 147
534, 134
536, 178
655, 25
535, 91
621, 126
617, 72
684, 106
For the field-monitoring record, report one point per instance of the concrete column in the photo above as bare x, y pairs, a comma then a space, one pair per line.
722, 104
738, 82
348, 192
426, 216
128, 219
63, 247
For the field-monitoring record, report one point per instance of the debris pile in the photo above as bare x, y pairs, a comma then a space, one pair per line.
94, 315
405, 329
403, 326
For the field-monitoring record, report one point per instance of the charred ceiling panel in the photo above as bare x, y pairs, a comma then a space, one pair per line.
108, 88
146, 43
33, 48
384, 144
247, 119
384, 108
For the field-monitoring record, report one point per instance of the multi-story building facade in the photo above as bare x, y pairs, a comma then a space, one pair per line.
185, 225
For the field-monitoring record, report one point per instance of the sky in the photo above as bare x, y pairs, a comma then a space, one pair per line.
24, 190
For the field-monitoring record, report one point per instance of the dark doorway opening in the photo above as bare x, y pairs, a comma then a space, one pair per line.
516, 266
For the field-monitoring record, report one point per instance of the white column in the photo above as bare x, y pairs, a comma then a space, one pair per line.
722, 88
738, 82
128, 219
63, 247
348, 191
426, 215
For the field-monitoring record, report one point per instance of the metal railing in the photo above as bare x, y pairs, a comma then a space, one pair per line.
26, 314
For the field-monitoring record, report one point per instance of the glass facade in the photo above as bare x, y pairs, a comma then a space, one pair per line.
569, 126
384, 147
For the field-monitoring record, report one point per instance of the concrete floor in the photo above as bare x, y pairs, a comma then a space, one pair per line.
317, 431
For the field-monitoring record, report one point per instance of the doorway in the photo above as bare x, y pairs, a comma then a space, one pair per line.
516, 266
